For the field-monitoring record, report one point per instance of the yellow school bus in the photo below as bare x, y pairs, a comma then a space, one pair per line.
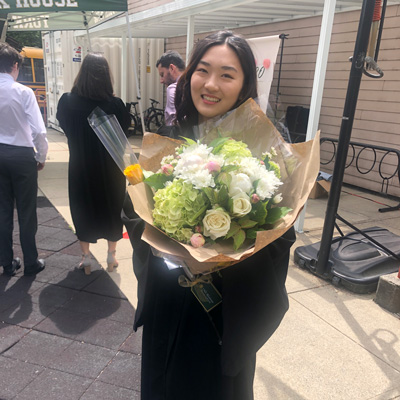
31, 74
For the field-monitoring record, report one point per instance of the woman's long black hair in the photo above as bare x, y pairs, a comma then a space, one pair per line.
186, 113
94, 79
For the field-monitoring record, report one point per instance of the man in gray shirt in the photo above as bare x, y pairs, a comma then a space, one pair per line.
23, 149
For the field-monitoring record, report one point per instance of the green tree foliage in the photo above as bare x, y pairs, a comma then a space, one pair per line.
29, 39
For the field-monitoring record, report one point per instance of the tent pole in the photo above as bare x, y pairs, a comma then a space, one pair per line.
318, 84
85, 22
4, 29
139, 99
189, 36
357, 66
124, 80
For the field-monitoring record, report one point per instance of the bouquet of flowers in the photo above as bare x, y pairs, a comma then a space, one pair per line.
216, 192
214, 201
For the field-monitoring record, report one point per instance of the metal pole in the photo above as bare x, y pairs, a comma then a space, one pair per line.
3, 27
139, 99
282, 36
85, 22
318, 84
353, 88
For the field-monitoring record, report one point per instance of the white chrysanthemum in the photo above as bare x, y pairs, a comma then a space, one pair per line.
200, 179
267, 185
252, 168
191, 166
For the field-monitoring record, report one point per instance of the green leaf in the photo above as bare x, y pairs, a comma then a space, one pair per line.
238, 239
210, 193
276, 213
233, 229
199, 212
190, 141
217, 144
230, 168
246, 223
223, 196
251, 234
223, 178
259, 212
157, 181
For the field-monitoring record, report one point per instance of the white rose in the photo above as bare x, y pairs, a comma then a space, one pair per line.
216, 223
241, 205
241, 183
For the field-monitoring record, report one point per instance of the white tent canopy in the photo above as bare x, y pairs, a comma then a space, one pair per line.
47, 15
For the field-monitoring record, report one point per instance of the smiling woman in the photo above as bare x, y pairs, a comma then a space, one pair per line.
187, 352
208, 58
217, 82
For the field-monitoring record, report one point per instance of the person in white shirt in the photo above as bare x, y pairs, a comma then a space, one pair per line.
23, 150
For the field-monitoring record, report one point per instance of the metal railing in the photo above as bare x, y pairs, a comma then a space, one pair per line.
379, 154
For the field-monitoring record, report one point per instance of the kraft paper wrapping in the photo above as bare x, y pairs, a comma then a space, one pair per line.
299, 164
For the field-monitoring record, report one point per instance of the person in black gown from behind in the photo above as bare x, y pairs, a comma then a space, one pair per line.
187, 354
96, 186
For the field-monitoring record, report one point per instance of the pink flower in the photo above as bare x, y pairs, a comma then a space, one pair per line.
262, 162
197, 240
198, 229
167, 169
254, 198
213, 166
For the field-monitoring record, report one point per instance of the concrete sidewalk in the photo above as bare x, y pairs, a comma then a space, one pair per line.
65, 335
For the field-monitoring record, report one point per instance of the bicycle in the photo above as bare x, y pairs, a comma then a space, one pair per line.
153, 118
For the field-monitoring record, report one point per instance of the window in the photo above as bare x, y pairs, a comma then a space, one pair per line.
25, 71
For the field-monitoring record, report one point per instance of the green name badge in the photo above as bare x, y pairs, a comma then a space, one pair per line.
207, 295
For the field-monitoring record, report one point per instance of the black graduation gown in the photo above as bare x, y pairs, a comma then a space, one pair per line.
182, 356
96, 186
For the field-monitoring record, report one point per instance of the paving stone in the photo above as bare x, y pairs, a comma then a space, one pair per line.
46, 214
9, 335
48, 243
388, 292
64, 261
124, 370
43, 202
134, 342
47, 231
106, 333
64, 234
51, 297
15, 290
52, 384
15, 375
76, 278
24, 313
38, 348
101, 307
66, 324
49, 273
83, 359
58, 222
101, 390
105, 286
73, 249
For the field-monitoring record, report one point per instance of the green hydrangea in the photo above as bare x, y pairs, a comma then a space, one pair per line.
178, 208
273, 166
234, 150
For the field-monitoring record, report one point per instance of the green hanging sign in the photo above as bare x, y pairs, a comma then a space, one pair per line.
40, 6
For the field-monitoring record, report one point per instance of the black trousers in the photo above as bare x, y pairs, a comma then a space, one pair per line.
18, 184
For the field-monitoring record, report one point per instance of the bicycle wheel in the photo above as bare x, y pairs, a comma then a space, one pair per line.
155, 121
133, 128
